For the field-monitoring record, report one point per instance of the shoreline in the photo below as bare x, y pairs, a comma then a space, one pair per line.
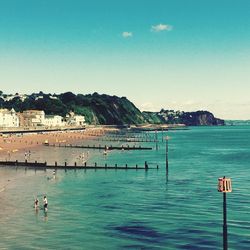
12, 143
19, 146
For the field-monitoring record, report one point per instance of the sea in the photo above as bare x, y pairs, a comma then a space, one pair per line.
134, 209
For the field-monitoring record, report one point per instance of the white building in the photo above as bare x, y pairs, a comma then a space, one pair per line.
75, 120
79, 120
9, 118
53, 121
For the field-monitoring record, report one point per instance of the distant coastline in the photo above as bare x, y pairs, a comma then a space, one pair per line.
237, 122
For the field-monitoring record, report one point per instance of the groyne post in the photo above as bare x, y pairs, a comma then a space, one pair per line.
156, 139
166, 155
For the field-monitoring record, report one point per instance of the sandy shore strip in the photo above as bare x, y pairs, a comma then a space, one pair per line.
12, 143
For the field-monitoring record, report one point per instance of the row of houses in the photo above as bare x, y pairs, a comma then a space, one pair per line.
37, 118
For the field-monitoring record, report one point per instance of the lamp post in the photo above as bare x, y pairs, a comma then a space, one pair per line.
224, 186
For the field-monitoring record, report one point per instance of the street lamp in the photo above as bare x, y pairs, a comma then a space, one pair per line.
224, 186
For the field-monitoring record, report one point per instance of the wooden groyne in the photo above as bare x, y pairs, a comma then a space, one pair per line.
124, 140
99, 147
44, 166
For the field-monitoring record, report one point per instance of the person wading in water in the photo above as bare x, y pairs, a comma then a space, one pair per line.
45, 203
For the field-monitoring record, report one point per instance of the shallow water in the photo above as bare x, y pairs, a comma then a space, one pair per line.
135, 209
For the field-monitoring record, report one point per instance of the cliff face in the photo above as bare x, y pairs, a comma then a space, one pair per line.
198, 118
104, 109
111, 110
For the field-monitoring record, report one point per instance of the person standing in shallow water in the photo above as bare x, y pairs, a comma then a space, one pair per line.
45, 203
36, 203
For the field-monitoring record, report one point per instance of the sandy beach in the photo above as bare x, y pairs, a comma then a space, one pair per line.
13, 143
16, 144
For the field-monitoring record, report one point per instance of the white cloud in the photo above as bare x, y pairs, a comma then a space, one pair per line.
161, 27
127, 34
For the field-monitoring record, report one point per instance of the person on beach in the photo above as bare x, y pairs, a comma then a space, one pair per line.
54, 174
45, 203
36, 203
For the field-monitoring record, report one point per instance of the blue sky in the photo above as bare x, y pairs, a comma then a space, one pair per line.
179, 54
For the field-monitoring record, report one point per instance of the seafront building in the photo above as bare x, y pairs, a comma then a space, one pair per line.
75, 120
8, 118
33, 119
54, 121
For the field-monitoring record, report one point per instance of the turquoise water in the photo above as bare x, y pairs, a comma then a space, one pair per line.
135, 209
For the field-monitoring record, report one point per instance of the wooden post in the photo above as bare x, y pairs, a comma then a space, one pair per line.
166, 155
65, 164
146, 166
224, 186
75, 164
225, 245
55, 163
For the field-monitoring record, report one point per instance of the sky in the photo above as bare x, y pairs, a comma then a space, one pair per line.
173, 54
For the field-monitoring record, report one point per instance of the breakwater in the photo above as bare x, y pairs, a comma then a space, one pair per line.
99, 147
44, 165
